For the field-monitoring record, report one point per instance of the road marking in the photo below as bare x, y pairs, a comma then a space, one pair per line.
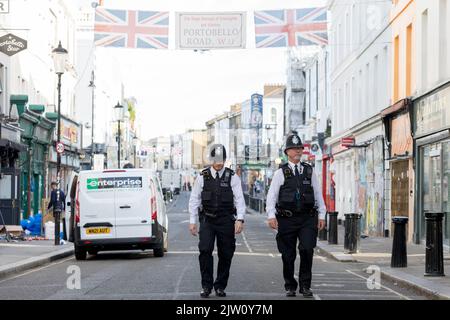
246, 243
235, 253
38, 269
316, 297
180, 278
328, 285
388, 289
184, 221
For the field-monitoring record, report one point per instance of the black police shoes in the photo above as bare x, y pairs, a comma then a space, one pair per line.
220, 293
205, 293
307, 293
290, 293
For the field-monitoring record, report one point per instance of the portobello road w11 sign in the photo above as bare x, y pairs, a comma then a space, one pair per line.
203, 31
11, 44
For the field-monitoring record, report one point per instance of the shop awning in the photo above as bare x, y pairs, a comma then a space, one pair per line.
13, 145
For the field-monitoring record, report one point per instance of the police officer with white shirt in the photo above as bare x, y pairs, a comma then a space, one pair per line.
293, 201
217, 199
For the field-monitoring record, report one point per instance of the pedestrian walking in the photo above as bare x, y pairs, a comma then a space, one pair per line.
56, 205
295, 208
217, 199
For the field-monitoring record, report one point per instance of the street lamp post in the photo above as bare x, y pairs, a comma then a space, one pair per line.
118, 108
92, 85
59, 59
135, 140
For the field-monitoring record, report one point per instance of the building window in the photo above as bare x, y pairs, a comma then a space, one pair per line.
408, 59
424, 46
443, 34
166, 164
273, 115
396, 67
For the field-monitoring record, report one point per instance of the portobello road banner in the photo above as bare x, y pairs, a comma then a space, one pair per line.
202, 31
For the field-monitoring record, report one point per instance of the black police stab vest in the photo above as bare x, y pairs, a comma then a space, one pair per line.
297, 193
217, 196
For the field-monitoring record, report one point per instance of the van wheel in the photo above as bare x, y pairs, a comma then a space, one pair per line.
159, 252
80, 254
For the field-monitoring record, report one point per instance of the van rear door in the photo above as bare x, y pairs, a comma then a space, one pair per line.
133, 205
97, 205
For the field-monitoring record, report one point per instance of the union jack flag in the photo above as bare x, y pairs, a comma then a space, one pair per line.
131, 29
291, 27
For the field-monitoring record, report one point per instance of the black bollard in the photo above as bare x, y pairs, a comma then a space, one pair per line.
352, 232
323, 232
434, 251
333, 228
399, 258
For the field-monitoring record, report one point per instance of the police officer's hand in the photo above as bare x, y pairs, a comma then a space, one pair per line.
321, 224
238, 227
193, 229
273, 223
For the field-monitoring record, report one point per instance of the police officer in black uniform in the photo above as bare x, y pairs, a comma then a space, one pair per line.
296, 208
218, 201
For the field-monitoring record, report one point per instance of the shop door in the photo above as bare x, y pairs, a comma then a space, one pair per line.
9, 196
432, 182
400, 189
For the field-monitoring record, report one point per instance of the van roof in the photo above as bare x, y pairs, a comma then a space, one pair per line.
131, 171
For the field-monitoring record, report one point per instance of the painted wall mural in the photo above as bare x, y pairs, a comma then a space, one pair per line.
370, 189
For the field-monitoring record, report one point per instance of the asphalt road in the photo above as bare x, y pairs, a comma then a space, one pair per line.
256, 271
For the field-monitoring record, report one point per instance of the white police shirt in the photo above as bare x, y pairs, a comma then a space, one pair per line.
278, 181
196, 200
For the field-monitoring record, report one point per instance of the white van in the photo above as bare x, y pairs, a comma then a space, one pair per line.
119, 209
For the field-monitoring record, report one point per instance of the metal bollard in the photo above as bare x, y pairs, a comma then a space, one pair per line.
434, 251
352, 232
399, 258
333, 228
323, 232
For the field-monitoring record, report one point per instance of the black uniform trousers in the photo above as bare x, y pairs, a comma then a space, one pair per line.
222, 229
290, 229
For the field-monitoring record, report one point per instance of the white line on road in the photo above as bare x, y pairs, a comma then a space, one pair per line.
236, 253
388, 289
184, 221
38, 269
246, 242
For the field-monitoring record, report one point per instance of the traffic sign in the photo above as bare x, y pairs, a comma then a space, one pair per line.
59, 147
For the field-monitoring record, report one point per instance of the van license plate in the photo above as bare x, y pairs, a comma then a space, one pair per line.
98, 230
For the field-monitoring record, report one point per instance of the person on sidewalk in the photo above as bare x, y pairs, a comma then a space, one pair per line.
216, 198
293, 200
57, 203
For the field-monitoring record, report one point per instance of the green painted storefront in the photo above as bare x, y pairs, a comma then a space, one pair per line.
37, 135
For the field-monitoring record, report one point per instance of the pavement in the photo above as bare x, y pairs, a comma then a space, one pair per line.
376, 251
20, 256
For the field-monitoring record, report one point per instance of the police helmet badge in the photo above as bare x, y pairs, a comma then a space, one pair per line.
295, 140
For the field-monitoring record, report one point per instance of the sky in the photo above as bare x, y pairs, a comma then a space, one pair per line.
182, 89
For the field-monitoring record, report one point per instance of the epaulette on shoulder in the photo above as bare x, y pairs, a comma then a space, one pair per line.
231, 171
306, 164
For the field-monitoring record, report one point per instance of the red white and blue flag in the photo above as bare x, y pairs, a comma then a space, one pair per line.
291, 27
131, 29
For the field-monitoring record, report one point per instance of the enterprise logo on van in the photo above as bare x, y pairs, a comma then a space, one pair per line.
111, 183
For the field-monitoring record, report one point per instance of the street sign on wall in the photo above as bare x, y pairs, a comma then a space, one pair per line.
4, 6
208, 30
11, 44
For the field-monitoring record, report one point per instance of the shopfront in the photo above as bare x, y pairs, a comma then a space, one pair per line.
432, 146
